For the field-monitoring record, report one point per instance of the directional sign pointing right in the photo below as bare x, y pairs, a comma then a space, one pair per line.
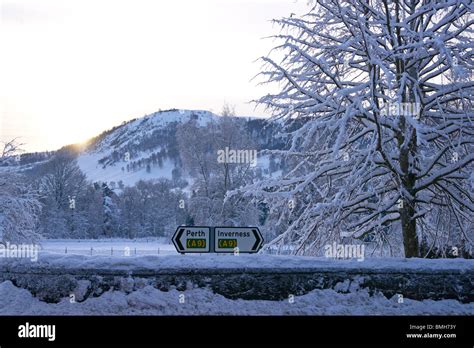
246, 239
192, 239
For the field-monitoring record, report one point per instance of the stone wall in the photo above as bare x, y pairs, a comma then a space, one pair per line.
52, 284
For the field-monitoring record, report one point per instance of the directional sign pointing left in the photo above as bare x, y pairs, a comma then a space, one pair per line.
192, 239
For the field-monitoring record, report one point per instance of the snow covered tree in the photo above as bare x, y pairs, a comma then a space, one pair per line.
230, 132
202, 150
19, 205
111, 211
150, 208
19, 209
62, 187
195, 147
61, 179
9, 151
383, 94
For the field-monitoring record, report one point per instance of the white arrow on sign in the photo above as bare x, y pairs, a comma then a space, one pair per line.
194, 239
246, 239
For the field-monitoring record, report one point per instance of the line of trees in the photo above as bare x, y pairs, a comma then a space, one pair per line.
67, 205
76, 208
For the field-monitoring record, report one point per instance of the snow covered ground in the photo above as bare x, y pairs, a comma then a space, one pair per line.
88, 162
150, 301
157, 253
108, 247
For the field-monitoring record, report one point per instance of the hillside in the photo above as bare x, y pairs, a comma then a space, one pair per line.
146, 148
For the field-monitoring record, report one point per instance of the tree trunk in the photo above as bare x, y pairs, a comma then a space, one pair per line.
410, 238
408, 209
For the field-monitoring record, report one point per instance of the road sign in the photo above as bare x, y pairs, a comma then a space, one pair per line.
241, 239
194, 239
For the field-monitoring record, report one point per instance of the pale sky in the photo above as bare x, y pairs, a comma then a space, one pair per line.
70, 69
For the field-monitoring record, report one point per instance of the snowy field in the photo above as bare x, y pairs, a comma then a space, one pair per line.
109, 247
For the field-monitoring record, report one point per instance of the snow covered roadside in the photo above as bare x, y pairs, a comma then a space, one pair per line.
242, 261
150, 301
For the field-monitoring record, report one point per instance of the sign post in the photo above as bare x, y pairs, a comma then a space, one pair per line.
205, 239
244, 239
192, 239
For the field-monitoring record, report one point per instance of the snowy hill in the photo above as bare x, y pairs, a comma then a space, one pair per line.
144, 148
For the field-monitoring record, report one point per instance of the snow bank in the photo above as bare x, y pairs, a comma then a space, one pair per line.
150, 301
242, 261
